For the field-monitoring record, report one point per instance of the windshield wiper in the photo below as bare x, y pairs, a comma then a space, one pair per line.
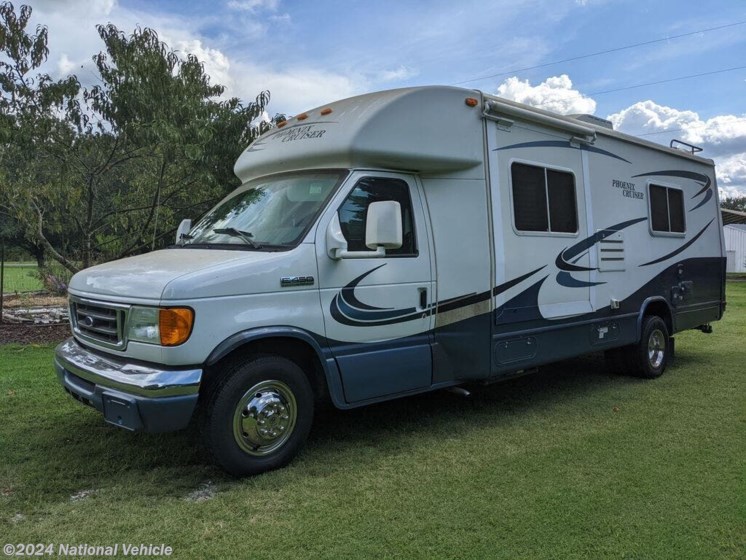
245, 235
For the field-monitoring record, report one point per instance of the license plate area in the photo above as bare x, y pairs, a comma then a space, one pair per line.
121, 411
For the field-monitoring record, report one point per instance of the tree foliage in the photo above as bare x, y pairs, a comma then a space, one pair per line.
103, 172
734, 203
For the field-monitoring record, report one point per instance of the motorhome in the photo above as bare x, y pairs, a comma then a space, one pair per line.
395, 243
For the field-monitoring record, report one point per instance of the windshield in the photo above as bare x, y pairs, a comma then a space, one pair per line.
268, 213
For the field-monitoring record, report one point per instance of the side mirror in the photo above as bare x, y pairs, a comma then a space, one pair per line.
383, 230
383, 227
183, 230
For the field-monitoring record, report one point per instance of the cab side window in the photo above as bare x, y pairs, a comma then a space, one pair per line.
354, 211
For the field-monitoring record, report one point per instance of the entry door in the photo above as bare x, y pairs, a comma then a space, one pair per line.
543, 261
377, 311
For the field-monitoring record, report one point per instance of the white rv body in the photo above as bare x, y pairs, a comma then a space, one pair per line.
478, 291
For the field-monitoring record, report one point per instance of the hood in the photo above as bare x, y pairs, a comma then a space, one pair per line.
147, 276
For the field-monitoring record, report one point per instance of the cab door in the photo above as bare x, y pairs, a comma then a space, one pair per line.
377, 310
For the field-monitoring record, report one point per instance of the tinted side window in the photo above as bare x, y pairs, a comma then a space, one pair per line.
659, 208
543, 199
354, 211
562, 214
529, 198
667, 209
676, 210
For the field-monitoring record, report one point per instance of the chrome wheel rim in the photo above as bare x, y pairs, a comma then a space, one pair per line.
264, 418
656, 348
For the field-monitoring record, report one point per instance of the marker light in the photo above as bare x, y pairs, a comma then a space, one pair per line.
302, 116
471, 102
168, 326
175, 325
326, 111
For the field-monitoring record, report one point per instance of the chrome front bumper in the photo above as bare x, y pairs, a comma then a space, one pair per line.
130, 395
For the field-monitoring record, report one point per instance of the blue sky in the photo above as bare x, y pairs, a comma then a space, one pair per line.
311, 52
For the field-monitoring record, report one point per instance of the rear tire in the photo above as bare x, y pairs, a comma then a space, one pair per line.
259, 415
649, 357
652, 352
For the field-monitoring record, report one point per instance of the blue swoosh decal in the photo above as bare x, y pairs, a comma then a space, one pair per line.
684, 247
345, 308
566, 280
707, 197
510, 283
572, 252
560, 144
697, 177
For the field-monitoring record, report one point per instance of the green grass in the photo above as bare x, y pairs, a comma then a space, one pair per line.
569, 463
21, 278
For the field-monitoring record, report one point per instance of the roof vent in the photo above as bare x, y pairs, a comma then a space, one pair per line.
598, 121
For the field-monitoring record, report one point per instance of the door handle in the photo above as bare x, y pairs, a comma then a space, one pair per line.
423, 298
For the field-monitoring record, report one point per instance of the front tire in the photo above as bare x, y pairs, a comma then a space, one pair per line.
259, 415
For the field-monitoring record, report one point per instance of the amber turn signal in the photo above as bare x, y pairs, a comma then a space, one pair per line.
175, 325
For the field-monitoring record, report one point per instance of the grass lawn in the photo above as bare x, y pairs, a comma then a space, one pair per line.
568, 463
21, 278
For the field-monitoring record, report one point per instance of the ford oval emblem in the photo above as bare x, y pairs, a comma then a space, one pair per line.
88, 321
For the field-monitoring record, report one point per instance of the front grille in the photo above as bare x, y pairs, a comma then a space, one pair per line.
98, 322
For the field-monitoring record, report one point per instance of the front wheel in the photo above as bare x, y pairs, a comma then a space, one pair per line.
259, 416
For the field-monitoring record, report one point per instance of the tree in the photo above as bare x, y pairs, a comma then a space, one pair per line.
109, 171
737, 203
29, 111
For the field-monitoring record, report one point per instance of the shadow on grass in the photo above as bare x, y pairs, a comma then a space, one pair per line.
79, 451
488, 406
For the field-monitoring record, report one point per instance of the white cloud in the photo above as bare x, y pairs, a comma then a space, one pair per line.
396, 74
723, 137
294, 90
731, 175
282, 19
216, 63
554, 94
253, 5
65, 66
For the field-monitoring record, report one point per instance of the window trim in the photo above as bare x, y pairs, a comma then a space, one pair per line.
667, 186
546, 167
410, 186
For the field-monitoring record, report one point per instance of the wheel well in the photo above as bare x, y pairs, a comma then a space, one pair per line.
291, 348
661, 309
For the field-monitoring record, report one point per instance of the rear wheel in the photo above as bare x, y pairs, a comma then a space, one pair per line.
259, 415
651, 353
649, 357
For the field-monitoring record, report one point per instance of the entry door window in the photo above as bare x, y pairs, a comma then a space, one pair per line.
354, 212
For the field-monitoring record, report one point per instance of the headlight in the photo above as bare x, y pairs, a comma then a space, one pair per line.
168, 326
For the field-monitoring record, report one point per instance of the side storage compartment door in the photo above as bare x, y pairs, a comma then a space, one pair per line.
378, 310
